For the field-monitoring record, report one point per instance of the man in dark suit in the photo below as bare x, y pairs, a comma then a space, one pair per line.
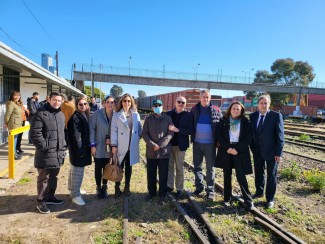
267, 146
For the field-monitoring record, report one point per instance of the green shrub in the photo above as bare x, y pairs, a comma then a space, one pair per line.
291, 173
304, 137
316, 178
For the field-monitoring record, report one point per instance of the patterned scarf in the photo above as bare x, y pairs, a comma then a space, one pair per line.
233, 123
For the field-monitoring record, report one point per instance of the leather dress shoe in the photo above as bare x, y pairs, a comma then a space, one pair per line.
270, 204
254, 196
179, 195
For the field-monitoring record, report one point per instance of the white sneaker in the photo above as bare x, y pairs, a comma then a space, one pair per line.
78, 201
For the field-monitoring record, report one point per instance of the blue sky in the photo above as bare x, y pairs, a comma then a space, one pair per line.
234, 36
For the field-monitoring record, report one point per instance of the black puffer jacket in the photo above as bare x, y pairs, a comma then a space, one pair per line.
79, 140
47, 135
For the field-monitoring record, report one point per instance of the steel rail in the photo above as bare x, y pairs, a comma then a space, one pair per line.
303, 156
305, 145
255, 211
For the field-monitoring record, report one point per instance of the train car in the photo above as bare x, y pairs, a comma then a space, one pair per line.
192, 97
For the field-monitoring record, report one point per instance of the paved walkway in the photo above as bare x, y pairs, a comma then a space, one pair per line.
21, 166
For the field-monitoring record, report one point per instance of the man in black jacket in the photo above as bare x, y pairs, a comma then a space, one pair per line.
32, 106
47, 135
182, 128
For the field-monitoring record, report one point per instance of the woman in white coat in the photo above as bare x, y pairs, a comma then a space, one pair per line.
126, 130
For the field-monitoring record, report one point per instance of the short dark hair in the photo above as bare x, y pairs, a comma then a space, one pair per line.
35, 93
55, 94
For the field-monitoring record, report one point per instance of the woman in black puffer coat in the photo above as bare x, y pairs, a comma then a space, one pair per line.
79, 147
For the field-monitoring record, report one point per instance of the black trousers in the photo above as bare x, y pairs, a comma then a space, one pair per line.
19, 137
259, 170
235, 162
128, 169
46, 183
162, 166
100, 164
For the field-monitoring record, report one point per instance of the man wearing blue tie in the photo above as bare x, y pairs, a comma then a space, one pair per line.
267, 146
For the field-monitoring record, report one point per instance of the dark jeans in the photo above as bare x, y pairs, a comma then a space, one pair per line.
128, 169
100, 164
162, 166
46, 184
19, 137
241, 178
259, 170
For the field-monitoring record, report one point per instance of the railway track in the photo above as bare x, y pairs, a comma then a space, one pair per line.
307, 144
297, 133
263, 219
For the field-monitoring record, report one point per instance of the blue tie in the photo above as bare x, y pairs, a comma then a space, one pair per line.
260, 123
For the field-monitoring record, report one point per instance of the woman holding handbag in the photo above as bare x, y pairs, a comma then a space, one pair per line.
126, 129
234, 135
79, 149
100, 133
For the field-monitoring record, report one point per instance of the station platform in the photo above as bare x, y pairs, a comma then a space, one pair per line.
21, 166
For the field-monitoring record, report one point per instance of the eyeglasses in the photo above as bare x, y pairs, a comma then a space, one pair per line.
109, 102
157, 105
180, 102
127, 101
82, 104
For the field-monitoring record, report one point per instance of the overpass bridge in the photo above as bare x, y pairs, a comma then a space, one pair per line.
148, 77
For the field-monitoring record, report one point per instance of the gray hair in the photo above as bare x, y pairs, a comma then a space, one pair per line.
205, 91
265, 96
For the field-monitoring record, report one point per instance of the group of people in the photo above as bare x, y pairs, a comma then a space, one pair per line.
87, 131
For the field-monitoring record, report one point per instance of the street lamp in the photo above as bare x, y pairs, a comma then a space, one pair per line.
195, 71
249, 74
219, 74
130, 65
164, 70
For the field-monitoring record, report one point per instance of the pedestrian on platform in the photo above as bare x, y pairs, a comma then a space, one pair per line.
47, 135
79, 147
93, 105
32, 106
100, 142
234, 135
68, 107
182, 128
126, 130
205, 117
157, 135
267, 147
24, 116
13, 118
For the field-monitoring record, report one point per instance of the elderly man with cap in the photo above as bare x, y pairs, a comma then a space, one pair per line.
157, 136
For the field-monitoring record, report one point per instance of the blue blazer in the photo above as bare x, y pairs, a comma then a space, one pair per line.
185, 128
270, 141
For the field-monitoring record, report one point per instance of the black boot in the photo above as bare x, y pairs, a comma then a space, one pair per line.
104, 192
117, 190
127, 192
98, 192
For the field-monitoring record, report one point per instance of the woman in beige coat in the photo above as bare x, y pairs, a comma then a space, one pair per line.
13, 117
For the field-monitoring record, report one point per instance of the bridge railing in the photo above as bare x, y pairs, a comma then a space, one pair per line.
114, 70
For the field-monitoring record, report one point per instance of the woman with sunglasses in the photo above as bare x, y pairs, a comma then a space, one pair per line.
234, 135
79, 150
100, 133
126, 130
13, 118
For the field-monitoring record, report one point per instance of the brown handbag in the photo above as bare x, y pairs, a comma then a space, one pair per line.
113, 171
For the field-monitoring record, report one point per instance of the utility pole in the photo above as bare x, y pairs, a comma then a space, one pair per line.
57, 63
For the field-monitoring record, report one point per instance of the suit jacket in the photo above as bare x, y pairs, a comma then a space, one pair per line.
185, 128
270, 141
242, 147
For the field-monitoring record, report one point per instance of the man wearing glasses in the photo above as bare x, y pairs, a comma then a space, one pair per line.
157, 136
205, 117
182, 128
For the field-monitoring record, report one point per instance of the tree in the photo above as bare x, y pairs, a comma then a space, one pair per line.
142, 93
284, 72
97, 92
116, 91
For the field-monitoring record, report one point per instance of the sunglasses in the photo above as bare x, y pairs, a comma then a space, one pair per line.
127, 101
110, 102
157, 105
180, 102
82, 104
